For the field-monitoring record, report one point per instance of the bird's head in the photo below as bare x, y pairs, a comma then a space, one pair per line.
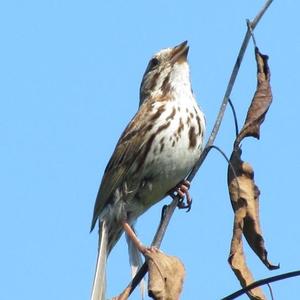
167, 70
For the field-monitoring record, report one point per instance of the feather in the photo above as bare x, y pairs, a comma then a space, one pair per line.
126, 153
99, 285
136, 261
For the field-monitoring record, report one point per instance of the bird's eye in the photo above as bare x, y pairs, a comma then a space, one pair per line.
154, 62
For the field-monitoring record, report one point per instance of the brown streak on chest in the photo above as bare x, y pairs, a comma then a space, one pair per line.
181, 127
199, 125
161, 147
132, 132
160, 98
192, 138
171, 116
166, 87
158, 113
188, 121
162, 127
146, 149
162, 144
195, 110
144, 152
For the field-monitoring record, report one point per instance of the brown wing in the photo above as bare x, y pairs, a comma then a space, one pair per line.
125, 154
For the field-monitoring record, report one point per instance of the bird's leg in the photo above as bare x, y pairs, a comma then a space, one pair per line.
131, 234
182, 190
138, 244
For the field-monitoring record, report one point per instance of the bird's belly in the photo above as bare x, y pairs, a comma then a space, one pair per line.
166, 165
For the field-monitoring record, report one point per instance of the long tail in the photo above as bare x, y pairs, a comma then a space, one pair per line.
99, 285
136, 261
108, 236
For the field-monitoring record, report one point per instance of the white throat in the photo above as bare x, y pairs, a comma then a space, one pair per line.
180, 79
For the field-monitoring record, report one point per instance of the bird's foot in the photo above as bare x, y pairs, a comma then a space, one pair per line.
138, 244
148, 250
182, 190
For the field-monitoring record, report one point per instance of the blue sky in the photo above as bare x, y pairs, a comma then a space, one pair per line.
69, 76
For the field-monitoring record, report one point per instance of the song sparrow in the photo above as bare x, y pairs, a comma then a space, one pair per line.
154, 154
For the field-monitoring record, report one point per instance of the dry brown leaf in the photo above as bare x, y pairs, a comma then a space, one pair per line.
261, 101
166, 274
244, 196
244, 193
237, 259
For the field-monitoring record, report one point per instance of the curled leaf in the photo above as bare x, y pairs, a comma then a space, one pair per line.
244, 196
166, 274
261, 101
237, 259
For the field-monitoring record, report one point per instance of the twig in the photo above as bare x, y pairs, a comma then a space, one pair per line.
225, 157
270, 290
260, 283
251, 31
236, 126
171, 208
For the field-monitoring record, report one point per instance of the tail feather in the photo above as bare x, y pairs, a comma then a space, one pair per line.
99, 285
136, 261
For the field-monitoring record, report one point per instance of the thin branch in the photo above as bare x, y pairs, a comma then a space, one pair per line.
225, 157
270, 290
171, 208
230, 166
236, 125
260, 283
260, 14
251, 31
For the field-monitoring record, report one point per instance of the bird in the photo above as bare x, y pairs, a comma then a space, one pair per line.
152, 158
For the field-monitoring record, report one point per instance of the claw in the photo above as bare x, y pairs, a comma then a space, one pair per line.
183, 191
149, 250
188, 204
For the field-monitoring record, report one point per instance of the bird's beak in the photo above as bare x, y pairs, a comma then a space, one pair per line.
180, 52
